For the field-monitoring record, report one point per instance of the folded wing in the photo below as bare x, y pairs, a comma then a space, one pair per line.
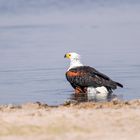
86, 76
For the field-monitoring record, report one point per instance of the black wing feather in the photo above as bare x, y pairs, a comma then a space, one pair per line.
91, 77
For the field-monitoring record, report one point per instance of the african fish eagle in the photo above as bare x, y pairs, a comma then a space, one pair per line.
86, 79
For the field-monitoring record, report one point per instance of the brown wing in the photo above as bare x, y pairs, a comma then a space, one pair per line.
86, 76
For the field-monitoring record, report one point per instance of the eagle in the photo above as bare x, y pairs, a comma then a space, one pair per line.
86, 79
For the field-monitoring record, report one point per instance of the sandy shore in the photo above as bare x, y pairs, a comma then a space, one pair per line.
115, 120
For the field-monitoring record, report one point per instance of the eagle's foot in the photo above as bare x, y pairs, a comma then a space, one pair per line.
78, 90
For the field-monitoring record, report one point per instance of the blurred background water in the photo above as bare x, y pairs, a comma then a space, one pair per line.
35, 35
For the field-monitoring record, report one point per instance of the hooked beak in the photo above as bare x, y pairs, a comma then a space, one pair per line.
67, 55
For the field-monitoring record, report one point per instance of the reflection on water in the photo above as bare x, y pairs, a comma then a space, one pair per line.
86, 98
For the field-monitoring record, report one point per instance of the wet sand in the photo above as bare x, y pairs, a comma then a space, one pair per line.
117, 120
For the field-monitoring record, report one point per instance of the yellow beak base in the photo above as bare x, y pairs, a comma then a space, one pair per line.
67, 55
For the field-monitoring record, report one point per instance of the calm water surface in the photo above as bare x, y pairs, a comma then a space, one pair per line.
33, 41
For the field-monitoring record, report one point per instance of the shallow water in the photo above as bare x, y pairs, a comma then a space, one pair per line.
33, 41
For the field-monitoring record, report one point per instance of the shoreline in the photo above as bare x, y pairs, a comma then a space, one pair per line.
113, 104
89, 120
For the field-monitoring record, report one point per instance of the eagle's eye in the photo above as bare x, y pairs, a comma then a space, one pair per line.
69, 55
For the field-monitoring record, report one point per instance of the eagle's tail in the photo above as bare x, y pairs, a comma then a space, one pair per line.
118, 84
113, 84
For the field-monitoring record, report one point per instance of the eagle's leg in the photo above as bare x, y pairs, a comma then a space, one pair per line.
85, 89
78, 90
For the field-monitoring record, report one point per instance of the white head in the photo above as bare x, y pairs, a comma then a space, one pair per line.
74, 59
